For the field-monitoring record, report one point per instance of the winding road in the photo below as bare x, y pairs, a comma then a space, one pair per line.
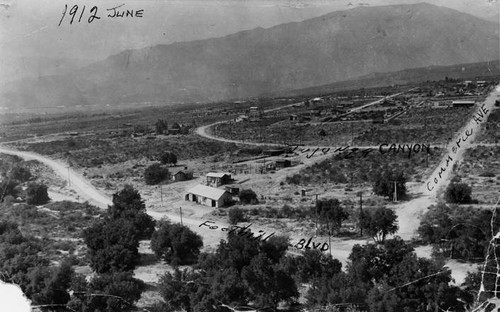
408, 212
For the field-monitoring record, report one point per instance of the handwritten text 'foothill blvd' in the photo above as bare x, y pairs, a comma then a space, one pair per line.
244, 231
478, 118
384, 149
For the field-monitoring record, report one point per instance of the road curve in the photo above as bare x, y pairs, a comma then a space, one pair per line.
76, 182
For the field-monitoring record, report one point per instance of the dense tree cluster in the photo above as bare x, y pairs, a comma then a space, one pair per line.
389, 277
111, 292
155, 174
242, 270
458, 193
176, 243
458, 232
113, 242
22, 263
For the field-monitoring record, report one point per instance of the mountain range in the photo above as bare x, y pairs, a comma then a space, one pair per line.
335, 47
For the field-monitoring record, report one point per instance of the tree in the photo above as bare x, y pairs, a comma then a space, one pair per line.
8, 187
268, 284
53, 285
330, 212
128, 204
236, 215
458, 193
113, 245
416, 284
114, 292
161, 126
315, 264
168, 158
379, 223
248, 197
176, 243
155, 173
20, 174
458, 232
36, 194
384, 184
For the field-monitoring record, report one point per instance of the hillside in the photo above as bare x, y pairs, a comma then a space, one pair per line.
335, 47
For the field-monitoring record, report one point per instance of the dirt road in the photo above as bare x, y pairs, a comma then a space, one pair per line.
409, 213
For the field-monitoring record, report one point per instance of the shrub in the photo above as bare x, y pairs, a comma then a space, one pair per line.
458, 193
236, 215
248, 197
155, 173
20, 173
36, 194
168, 158
487, 174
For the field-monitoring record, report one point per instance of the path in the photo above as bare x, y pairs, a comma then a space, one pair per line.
87, 191
409, 213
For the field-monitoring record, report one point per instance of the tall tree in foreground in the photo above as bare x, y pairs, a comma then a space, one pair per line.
128, 205
113, 245
176, 243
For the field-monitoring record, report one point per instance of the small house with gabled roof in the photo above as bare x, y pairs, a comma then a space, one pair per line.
208, 196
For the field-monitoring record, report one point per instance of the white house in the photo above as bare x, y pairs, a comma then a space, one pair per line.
208, 196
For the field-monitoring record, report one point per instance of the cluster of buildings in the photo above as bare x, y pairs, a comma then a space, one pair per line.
211, 194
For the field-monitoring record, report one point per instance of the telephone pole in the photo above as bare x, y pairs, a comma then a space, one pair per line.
69, 180
395, 196
360, 193
180, 210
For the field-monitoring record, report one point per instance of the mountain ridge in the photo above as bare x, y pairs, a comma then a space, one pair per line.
335, 47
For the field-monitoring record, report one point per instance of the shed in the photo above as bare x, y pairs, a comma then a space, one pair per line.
232, 189
462, 103
283, 163
218, 178
179, 176
208, 196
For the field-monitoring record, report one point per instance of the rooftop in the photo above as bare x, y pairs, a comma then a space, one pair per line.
207, 191
217, 174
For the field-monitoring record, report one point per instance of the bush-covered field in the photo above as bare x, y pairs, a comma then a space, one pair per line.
410, 127
480, 169
418, 125
492, 128
90, 151
337, 169
59, 219
58, 226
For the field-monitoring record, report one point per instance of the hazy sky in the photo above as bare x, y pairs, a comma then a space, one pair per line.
30, 27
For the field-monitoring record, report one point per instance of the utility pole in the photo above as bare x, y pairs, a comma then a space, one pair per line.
352, 133
69, 181
427, 137
395, 197
180, 209
316, 212
360, 212
161, 193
